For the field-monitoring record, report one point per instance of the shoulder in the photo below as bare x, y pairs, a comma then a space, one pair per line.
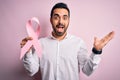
76, 38
79, 41
44, 38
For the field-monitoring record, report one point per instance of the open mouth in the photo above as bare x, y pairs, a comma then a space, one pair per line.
60, 28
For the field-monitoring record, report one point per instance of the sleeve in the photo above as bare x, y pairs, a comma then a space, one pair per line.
87, 63
31, 62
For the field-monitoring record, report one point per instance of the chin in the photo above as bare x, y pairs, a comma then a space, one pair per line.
60, 33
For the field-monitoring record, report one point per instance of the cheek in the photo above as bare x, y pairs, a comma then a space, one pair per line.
55, 23
66, 23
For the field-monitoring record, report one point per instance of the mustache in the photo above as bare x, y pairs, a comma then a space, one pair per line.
60, 25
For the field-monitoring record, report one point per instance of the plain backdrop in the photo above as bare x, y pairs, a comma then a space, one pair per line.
88, 18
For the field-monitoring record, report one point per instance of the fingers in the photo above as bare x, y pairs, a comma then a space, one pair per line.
111, 34
99, 44
108, 37
23, 42
27, 38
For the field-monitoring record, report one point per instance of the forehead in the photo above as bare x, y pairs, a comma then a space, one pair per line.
60, 11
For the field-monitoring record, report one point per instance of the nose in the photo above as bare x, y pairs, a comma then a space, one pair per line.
61, 20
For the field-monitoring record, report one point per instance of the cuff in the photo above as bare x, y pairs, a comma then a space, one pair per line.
96, 51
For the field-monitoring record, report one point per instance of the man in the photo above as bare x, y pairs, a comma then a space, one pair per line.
63, 55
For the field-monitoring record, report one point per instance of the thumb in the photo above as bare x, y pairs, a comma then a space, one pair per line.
95, 39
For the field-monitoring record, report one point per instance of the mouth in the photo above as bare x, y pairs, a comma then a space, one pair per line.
60, 28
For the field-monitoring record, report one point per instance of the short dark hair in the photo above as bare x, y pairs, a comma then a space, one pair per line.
60, 5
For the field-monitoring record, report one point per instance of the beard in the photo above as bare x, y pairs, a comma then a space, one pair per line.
60, 29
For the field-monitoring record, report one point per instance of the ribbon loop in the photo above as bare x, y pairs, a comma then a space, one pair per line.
34, 35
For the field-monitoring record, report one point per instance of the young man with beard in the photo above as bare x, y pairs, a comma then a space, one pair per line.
63, 55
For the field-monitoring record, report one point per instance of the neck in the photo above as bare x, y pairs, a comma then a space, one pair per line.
59, 37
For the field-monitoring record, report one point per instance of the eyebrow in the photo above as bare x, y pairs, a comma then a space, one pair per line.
58, 15
55, 15
65, 15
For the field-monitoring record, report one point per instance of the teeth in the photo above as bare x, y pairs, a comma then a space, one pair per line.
60, 26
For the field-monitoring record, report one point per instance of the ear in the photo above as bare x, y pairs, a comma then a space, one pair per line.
50, 20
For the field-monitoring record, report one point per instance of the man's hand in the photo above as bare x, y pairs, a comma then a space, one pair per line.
24, 41
99, 44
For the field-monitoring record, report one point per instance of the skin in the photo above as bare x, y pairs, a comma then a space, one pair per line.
60, 22
100, 43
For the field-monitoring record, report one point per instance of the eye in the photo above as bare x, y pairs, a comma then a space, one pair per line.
65, 17
56, 17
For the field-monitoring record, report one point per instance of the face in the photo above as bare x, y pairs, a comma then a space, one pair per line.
60, 21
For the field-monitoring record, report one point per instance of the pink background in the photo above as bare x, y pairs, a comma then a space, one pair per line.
89, 18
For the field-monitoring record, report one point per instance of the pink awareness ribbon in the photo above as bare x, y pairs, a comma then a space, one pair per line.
34, 35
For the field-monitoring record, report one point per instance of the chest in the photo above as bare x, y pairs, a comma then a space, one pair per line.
60, 49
